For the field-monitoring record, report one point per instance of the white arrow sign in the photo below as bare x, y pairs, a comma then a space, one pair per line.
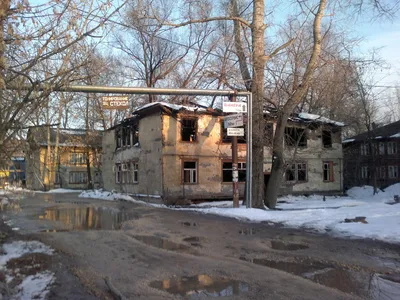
236, 107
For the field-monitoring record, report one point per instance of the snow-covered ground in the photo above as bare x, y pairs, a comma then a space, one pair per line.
383, 219
33, 286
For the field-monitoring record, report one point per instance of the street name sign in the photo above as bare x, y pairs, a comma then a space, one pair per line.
115, 102
235, 131
237, 107
233, 120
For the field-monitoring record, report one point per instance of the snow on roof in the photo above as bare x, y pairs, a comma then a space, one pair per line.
348, 140
171, 106
397, 135
307, 116
378, 137
73, 131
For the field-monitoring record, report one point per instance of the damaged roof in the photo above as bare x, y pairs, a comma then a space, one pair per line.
67, 137
389, 131
300, 118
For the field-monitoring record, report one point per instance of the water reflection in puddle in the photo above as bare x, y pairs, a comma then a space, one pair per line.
161, 243
88, 218
360, 283
198, 286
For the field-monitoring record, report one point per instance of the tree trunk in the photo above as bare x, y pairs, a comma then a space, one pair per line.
258, 29
278, 163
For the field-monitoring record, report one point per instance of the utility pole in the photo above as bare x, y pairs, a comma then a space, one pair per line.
235, 172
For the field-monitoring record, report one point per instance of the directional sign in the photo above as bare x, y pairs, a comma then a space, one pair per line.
237, 107
233, 120
235, 131
115, 102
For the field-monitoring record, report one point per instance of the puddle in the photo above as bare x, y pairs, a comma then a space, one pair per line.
361, 283
198, 286
88, 218
247, 231
279, 245
161, 243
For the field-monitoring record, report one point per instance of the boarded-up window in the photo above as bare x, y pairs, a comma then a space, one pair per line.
189, 130
295, 137
190, 171
327, 138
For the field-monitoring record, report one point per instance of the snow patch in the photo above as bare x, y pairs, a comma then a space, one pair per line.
35, 286
348, 141
314, 213
19, 248
319, 118
397, 135
111, 196
60, 191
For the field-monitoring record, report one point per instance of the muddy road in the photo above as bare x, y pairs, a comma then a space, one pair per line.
158, 253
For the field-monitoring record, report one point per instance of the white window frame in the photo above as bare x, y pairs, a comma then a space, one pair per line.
392, 148
192, 172
78, 177
365, 172
365, 149
381, 148
393, 172
328, 166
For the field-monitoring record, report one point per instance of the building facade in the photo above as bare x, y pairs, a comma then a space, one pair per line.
373, 157
68, 159
179, 153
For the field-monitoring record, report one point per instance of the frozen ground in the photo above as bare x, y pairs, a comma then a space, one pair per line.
33, 286
382, 216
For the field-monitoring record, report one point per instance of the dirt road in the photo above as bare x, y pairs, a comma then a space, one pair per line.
158, 253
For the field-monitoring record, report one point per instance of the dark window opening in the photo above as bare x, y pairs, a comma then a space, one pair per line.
328, 171
126, 136
268, 134
118, 137
189, 130
227, 172
326, 139
295, 137
296, 172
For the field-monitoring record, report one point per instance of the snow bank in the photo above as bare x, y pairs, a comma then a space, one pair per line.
19, 248
111, 196
326, 216
60, 191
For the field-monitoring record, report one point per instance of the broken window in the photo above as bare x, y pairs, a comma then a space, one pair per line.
227, 171
268, 134
189, 130
327, 138
295, 136
118, 137
228, 139
190, 171
135, 135
328, 171
126, 136
296, 172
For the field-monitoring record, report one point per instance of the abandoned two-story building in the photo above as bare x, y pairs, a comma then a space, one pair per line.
177, 153
67, 158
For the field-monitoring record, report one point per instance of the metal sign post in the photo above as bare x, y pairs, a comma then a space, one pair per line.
235, 171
